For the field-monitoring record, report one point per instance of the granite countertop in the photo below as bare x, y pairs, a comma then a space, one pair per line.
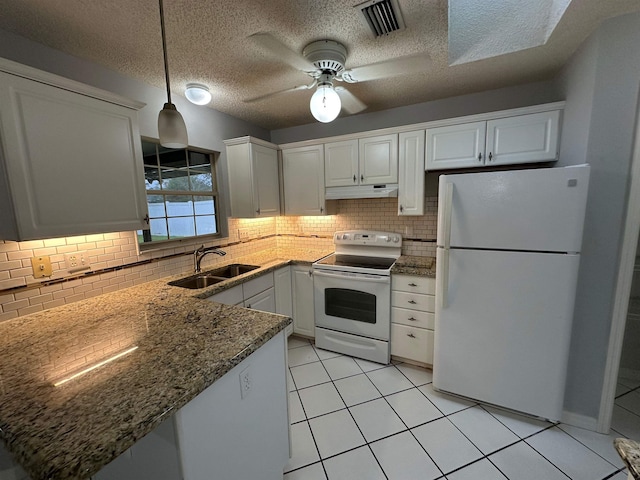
183, 345
412, 265
629, 451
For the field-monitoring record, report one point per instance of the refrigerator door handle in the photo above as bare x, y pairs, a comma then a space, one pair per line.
446, 214
443, 278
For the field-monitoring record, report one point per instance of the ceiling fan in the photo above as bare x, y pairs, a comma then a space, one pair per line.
324, 61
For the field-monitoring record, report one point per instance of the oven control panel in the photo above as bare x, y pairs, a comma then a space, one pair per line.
363, 237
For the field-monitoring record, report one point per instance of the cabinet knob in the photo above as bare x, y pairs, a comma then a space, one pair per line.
412, 319
412, 284
480, 157
362, 178
411, 335
146, 219
354, 178
412, 302
321, 209
258, 211
490, 156
401, 208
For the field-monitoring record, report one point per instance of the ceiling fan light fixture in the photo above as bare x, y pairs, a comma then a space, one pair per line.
198, 93
325, 103
172, 131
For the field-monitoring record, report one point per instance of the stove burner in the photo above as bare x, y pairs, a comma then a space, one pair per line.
360, 261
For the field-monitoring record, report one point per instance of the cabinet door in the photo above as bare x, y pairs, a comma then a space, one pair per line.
265, 301
303, 172
341, 164
284, 296
73, 162
378, 159
456, 146
523, 139
303, 313
411, 173
412, 343
265, 181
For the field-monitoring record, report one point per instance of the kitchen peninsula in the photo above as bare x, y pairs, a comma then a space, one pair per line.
174, 345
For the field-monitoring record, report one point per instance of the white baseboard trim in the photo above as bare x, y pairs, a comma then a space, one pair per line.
580, 421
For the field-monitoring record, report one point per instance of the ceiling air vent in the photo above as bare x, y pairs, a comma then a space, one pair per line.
382, 16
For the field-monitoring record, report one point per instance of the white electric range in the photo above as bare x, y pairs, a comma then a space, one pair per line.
352, 294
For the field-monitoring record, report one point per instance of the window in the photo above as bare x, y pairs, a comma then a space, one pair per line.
181, 193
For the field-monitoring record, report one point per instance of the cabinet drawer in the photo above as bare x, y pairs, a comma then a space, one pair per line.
412, 343
413, 283
413, 318
231, 296
257, 285
414, 301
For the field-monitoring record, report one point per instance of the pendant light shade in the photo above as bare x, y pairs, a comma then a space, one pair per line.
325, 103
171, 128
172, 131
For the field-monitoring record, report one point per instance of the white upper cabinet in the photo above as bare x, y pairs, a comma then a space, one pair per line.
70, 158
367, 161
253, 178
523, 139
341, 164
456, 146
411, 173
526, 138
303, 174
378, 159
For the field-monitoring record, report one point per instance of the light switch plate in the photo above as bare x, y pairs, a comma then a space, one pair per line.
41, 266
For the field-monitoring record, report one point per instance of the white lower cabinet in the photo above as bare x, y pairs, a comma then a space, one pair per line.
412, 318
220, 433
303, 310
257, 293
284, 294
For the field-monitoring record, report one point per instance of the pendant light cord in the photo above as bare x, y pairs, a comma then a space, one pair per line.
164, 52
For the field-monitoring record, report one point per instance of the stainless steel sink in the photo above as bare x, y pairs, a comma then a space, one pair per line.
232, 270
203, 280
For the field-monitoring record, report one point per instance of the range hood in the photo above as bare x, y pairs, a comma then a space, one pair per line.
361, 191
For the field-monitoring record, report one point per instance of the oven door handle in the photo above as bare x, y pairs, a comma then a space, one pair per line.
384, 279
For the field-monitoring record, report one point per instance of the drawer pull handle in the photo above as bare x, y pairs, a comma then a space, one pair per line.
413, 319
412, 302
411, 335
412, 284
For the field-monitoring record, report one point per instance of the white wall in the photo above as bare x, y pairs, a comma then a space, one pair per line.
482, 102
601, 86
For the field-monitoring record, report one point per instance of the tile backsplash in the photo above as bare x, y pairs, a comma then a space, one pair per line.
115, 260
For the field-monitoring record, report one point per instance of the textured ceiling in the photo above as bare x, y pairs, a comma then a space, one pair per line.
208, 43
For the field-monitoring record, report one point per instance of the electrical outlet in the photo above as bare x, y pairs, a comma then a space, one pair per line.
41, 267
77, 261
245, 382
243, 234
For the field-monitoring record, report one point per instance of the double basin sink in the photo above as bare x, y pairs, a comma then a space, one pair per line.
206, 279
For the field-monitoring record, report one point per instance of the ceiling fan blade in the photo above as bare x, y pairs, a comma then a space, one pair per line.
284, 53
350, 103
389, 68
280, 92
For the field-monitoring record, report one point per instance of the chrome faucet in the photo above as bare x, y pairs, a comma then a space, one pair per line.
201, 252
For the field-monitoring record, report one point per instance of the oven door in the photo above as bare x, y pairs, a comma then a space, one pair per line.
355, 303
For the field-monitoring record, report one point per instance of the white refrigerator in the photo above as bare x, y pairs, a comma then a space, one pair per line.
508, 253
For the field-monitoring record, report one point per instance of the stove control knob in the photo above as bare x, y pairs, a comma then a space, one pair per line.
345, 236
396, 239
387, 239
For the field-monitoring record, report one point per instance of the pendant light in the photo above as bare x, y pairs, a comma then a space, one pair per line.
171, 128
325, 103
